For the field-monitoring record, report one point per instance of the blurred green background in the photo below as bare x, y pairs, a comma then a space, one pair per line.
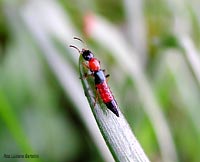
151, 50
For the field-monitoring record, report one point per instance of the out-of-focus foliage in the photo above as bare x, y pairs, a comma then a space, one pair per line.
42, 111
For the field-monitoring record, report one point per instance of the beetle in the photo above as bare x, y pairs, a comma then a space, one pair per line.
99, 79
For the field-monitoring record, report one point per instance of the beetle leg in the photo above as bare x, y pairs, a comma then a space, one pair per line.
107, 77
85, 65
86, 75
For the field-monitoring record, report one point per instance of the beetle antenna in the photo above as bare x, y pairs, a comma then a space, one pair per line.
75, 48
80, 40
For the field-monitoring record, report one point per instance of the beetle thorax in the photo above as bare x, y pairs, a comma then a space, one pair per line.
94, 64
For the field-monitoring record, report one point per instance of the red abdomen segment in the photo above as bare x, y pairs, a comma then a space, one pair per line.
107, 97
104, 92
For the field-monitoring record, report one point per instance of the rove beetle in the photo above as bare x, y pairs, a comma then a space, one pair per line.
99, 78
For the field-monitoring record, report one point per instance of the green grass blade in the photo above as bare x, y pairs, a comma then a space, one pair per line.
9, 117
115, 130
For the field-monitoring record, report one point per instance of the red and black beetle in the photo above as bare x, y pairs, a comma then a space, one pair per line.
99, 79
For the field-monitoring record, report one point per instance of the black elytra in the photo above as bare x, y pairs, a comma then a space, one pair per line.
99, 77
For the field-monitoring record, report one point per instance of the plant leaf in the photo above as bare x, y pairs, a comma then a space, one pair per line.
115, 130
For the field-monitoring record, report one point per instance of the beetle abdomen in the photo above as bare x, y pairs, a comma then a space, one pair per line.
107, 97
